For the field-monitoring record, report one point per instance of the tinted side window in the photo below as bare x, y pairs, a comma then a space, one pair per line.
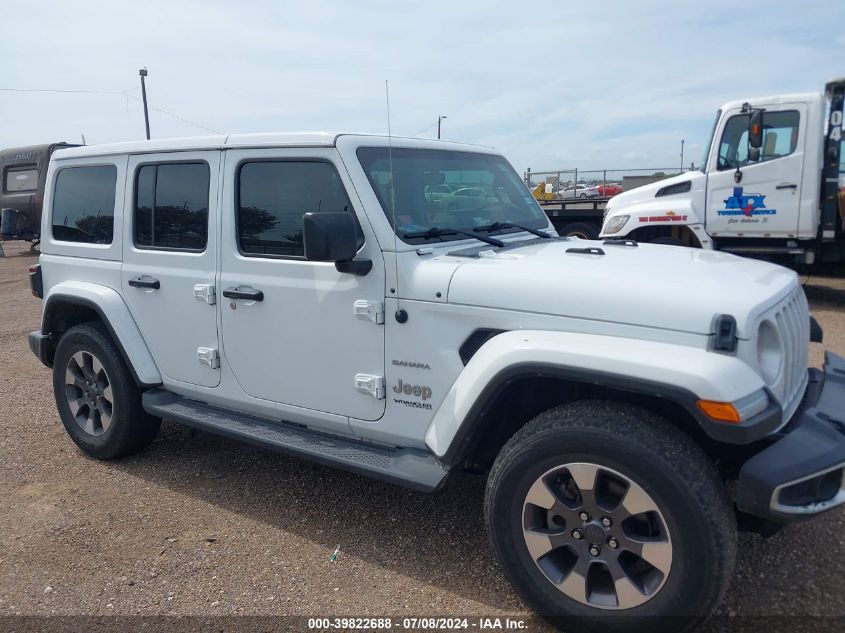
274, 195
171, 206
780, 137
83, 204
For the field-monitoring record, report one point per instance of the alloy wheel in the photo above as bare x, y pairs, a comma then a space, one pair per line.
597, 536
89, 393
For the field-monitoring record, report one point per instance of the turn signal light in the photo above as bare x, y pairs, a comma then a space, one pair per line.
721, 411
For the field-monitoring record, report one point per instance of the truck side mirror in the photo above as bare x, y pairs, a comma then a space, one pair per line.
755, 130
333, 237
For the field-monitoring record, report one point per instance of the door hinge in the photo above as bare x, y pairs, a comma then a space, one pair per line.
208, 356
206, 293
372, 310
373, 385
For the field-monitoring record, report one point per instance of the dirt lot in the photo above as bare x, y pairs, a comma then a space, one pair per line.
201, 525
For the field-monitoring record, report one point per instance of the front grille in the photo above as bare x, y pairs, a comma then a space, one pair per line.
792, 319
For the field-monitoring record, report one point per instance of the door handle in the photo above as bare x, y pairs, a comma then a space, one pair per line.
787, 185
249, 295
145, 282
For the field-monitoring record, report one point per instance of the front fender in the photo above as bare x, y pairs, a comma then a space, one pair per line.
679, 373
115, 316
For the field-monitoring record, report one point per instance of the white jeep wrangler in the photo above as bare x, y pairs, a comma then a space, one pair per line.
338, 298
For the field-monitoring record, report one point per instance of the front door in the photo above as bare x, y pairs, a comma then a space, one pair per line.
170, 261
291, 334
766, 200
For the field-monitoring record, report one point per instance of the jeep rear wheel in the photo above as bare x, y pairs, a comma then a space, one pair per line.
97, 399
605, 514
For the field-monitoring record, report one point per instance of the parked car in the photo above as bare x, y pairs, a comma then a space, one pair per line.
578, 191
625, 420
469, 197
609, 190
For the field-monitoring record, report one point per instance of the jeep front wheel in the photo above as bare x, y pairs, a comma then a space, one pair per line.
605, 514
97, 399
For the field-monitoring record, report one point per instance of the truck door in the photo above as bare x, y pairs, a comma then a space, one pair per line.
298, 332
170, 261
766, 201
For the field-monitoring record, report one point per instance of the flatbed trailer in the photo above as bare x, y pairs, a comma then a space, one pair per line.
577, 217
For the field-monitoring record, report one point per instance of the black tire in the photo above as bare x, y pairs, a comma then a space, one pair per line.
583, 196
130, 428
580, 229
662, 461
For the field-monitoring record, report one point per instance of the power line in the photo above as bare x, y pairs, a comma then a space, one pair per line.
125, 93
426, 129
92, 92
176, 116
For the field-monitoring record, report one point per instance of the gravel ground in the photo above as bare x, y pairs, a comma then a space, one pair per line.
200, 525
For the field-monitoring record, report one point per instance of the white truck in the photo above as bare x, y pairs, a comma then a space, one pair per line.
305, 293
767, 186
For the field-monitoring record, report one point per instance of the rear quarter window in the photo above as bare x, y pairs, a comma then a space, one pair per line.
83, 204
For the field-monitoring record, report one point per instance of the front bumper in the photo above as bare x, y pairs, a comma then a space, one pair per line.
802, 473
40, 345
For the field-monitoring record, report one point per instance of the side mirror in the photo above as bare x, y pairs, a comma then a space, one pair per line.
755, 129
333, 237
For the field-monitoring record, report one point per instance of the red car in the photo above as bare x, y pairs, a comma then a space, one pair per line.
609, 190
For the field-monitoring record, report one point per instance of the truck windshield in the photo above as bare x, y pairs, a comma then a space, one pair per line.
423, 189
703, 164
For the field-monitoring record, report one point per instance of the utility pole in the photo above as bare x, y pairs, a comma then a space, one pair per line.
143, 73
439, 119
682, 155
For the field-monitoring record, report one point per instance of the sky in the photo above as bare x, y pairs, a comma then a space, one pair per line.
552, 85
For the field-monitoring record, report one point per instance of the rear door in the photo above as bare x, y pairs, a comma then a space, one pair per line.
170, 261
766, 201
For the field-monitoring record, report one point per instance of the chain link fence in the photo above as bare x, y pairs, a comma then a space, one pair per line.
605, 179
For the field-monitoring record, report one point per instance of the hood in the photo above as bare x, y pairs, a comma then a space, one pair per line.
647, 192
650, 285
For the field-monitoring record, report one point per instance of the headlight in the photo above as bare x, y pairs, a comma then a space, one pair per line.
615, 224
769, 352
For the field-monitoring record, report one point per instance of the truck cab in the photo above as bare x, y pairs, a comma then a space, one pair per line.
759, 194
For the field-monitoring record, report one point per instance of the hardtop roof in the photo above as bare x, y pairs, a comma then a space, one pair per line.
233, 141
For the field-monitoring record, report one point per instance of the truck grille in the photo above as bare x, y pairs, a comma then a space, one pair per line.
792, 318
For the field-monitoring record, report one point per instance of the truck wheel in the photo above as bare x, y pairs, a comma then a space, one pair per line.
580, 229
97, 399
602, 514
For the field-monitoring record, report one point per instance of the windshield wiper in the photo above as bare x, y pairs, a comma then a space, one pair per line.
510, 225
437, 231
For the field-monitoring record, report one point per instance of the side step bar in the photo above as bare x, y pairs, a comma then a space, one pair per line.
412, 468
764, 250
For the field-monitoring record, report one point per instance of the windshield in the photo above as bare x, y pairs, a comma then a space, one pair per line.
703, 165
423, 189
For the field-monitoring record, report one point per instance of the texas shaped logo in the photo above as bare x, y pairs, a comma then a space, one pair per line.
747, 205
